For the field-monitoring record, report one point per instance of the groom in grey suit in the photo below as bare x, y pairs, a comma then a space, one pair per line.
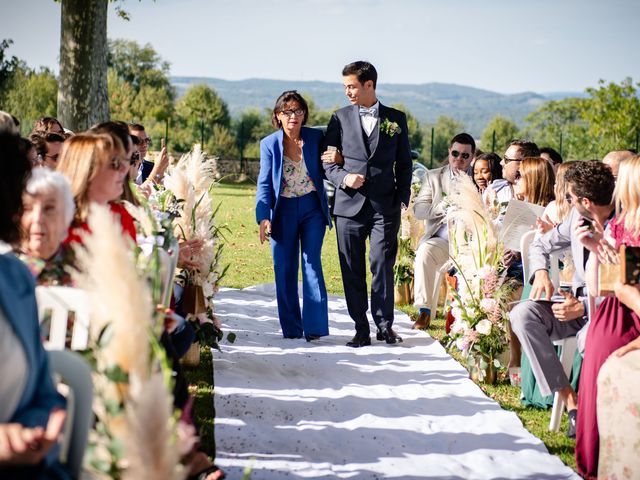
372, 185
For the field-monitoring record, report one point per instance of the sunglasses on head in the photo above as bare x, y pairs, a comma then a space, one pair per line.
456, 154
53, 137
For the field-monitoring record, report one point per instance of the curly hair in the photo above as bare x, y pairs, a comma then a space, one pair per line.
592, 180
16, 168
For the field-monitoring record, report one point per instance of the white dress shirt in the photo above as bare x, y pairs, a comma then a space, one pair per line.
369, 121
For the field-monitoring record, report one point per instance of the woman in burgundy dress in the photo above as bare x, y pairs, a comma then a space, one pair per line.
613, 325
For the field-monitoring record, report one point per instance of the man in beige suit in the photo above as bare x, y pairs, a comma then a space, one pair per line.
433, 249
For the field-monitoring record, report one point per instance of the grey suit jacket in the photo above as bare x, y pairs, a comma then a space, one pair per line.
555, 240
428, 204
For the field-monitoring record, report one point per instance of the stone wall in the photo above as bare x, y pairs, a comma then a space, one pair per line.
227, 167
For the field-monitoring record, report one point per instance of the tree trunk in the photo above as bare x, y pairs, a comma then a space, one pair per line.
82, 95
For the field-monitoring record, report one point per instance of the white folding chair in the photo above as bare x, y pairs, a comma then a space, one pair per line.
55, 304
568, 348
74, 372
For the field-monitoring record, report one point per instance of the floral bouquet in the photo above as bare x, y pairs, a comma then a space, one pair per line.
191, 182
479, 304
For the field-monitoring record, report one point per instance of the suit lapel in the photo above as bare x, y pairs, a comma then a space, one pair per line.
445, 179
382, 114
278, 158
356, 128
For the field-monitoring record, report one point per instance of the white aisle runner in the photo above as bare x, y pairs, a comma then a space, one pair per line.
293, 409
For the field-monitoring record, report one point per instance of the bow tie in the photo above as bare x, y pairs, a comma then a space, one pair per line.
364, 111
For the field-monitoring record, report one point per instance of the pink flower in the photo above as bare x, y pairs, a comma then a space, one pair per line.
488, 305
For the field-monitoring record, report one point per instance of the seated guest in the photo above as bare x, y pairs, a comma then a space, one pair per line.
614, 325
48, 212
558, 209
433, 249
516, 151
48, 146
486, 169
537, 324
551, 156
535, 182
613, 159
96, 167
31, 410
149, 172
617, 398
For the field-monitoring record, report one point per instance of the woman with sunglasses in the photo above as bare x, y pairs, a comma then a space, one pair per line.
292, 209
96, 165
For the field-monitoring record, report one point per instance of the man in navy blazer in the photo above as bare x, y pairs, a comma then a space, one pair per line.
372, 185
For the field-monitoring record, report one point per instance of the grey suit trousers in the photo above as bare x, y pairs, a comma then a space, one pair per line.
536, 327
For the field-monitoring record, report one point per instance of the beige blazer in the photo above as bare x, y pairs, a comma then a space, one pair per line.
428, 204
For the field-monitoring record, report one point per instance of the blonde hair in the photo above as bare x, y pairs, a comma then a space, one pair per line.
561, 189
538, 177
627, 194
80, 160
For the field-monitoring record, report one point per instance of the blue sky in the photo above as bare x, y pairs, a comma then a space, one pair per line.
501, 45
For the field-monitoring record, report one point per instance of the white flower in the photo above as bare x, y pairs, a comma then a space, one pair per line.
461, 344
484, 327
457, 313
488, 305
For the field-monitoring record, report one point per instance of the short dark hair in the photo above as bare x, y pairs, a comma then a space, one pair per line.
364, 71
555, 157
16, 168
283, 99
114, 127
527, 148
136, 126
493, 159
592, 180
464, 139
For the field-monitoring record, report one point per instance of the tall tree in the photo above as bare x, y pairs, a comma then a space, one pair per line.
613, 115
82, 94
33, 96
199, 109
559, 124
445, 129
8, 68
415, 132
505, 130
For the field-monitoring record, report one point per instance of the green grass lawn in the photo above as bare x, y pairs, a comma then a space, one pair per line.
250, 264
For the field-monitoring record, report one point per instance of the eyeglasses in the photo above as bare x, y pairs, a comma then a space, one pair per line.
139, 141
296, 113
569, 198
456, 154
118, 163
53, 137
506, 160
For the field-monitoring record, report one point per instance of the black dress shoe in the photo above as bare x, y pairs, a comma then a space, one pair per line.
389, 335
360, 340
312, 337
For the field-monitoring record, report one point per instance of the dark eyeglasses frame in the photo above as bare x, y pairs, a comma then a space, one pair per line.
506, 160
456, 154
296, 113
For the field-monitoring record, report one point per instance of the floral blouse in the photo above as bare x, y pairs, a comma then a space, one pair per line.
53, 271
296, 181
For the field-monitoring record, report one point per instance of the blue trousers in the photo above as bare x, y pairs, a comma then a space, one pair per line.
297, 232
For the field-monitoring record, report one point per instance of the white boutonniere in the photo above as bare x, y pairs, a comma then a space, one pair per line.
390, 128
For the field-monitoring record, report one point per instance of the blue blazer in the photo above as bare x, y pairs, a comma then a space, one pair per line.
270, 177
18, 303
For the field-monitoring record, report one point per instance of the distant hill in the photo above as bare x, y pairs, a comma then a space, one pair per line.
472, 106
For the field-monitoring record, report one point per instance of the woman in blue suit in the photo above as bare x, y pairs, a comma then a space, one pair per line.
291, 208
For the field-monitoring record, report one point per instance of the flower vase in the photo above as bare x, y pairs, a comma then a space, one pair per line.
490, 374
192, 357
403, 293
193, 300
